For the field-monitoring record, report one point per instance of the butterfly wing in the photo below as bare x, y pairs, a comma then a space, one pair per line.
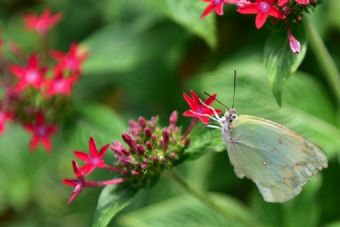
276, 158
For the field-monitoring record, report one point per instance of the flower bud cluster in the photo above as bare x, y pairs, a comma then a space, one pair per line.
148, 150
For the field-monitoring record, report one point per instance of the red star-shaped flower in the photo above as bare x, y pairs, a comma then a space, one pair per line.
60, 84
71, 60
214, 5
198, 110
41, 132
43, 23
31, 75
79, 182
94, 159
4, 117
263, 9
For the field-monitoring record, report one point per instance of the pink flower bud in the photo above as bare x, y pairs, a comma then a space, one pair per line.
140, 149
294, 44
149, 145
142, 122
148, 132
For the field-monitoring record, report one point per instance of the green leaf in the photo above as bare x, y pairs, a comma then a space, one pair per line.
204, 141
189, 212
307, 109
280, 62
94, 120
112, 199
187, 13
335, 224
121, 47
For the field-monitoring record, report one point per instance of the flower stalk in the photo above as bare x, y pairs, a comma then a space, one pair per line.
324, 58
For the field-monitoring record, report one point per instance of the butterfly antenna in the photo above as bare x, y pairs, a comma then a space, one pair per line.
234, 88
224, 105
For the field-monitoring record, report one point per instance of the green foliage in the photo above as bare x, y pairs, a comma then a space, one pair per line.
280, 62
111, 200
186, 13
203, 141
187, 211
142, 57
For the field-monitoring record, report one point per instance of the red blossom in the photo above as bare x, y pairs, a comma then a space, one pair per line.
94, 159
4, 118
71, 60
197, 109
41, 132
30, 75
263, 9
60, 84
217, 6
43, 23
79, 182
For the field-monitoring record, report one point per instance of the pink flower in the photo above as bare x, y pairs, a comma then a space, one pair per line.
294, 44
71, 60
263, 9
41, 132
60, 84
197, 109
31, 75
4, 118
43, 23
94, 159
79, 182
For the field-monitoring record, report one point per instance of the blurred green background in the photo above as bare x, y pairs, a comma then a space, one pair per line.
143, 55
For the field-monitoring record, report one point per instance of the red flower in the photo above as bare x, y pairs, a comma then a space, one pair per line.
4, 117
41, 132
79, 182
94, 159
60, 84
263, 9
31, 75
215, 5
71, 60
43, 23
197, 108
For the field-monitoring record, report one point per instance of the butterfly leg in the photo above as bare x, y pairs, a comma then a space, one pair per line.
212, 109
206, 115
214, 126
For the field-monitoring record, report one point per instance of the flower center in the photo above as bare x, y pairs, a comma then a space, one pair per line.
41, 131
70, 63
264, 7
32, 76
95, 160
59, 85
216, 2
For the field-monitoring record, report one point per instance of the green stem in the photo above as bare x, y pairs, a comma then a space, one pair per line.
205, 199
324, 58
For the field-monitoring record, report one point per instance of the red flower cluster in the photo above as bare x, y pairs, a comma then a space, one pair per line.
148, 151
285, 11
35, 89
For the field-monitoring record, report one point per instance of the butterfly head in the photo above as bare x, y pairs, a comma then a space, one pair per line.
228, 118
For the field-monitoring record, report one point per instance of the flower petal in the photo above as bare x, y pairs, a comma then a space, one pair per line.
260, 19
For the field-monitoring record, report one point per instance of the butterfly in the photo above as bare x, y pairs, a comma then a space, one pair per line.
278, 160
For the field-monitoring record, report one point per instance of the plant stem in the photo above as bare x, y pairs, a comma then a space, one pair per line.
205, 199
324, 58
193, 123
